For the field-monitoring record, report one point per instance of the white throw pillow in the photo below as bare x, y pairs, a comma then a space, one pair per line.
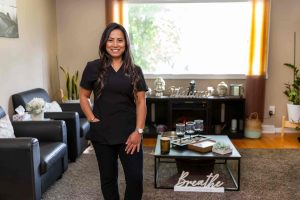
53, 107
6, 129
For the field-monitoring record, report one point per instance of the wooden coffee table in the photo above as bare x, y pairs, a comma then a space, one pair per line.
219, 159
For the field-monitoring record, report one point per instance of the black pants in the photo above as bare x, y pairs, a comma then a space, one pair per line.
107, 156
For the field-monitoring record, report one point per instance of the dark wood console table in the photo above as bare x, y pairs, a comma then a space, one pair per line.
214, 111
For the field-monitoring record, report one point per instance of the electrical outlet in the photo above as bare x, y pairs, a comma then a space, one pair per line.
272, 110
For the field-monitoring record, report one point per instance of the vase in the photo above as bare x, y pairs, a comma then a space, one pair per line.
37, 117
222, 88
293, 113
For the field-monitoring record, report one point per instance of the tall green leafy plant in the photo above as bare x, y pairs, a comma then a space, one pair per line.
292, 90
150, 47
71, 84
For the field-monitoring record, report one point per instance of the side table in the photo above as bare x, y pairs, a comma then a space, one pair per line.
232, 172
287, 124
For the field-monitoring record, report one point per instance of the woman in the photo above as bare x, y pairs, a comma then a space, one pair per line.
119, 111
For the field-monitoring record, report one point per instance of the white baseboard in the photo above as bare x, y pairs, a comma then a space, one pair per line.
271, 129
268, 129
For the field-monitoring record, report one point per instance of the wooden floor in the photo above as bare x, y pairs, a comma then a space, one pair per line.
288, 141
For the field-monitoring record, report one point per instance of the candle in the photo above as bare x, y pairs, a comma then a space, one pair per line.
222, 112
152, 112
233, 125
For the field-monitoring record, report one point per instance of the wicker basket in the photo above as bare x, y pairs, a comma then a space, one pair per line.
253, 126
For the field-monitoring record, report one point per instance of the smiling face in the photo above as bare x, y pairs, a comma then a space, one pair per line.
115, 45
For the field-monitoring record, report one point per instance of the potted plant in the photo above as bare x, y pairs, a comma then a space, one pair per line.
72, 94
292, 91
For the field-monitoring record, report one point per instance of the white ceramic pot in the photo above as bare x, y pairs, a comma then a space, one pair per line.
222, 88
72, 101
37, 117
293, 113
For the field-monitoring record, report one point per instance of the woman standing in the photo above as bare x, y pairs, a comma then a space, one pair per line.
119, 111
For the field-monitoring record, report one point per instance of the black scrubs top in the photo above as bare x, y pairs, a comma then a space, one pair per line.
115, 107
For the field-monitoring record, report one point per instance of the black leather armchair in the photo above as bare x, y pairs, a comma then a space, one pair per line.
84, 123
34, 160
77, 127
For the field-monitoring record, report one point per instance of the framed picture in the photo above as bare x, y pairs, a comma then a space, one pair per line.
8, 19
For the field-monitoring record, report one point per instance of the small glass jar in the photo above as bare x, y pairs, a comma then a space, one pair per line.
199, 127
190, 128
180, 129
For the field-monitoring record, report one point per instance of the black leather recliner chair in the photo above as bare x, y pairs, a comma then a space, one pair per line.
77, 127
32, 161
84, 123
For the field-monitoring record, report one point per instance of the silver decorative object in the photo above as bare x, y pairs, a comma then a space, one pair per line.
191, 88
159, 84
149, 92
236, 90
210, 91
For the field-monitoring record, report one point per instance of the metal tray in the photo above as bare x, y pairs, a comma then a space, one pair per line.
188, 140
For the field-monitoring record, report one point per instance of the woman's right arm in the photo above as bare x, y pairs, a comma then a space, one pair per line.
84, 96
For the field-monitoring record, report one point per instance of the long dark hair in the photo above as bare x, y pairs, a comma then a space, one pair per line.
106, 59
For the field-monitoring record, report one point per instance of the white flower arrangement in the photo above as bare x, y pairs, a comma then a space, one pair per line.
36, 106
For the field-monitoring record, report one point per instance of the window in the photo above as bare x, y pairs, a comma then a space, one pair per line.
195, 38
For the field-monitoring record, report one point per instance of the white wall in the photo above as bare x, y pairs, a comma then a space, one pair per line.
28, 61
285, 20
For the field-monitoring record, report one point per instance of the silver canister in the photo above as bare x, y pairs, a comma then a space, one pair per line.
236, 90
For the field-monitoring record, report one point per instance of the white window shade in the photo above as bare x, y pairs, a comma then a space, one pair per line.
196, 38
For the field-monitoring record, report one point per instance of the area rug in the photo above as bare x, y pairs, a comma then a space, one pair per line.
265, 174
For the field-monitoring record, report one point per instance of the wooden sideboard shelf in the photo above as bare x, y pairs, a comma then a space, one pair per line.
213, 111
